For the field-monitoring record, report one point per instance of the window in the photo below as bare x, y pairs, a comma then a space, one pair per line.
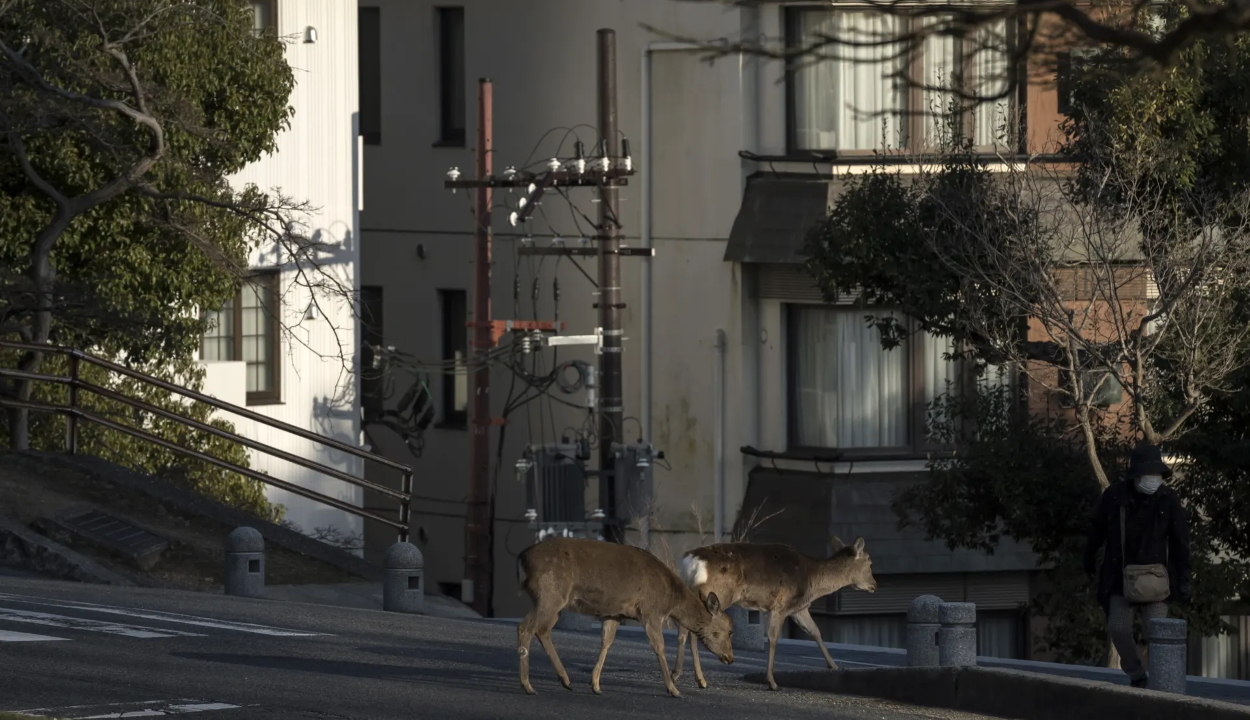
455, 354
846, 103
264, 15
246, 329
369, 47
848, 392
1069, 66
451, 82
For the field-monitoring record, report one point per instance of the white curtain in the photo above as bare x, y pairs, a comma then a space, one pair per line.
850, 392
836, 98
941, 69
888, 631
990, 54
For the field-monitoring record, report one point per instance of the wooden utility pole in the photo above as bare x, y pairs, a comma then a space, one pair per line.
477, 527
610, 401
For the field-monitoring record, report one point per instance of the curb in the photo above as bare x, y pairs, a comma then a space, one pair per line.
21, 547
1009, 694
231, 517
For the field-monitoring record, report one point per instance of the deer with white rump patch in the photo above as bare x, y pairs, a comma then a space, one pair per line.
771, 578
612, 582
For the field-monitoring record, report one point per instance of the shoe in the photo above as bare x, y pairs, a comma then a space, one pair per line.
1140, 682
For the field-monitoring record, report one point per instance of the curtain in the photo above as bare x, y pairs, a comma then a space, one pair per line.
835, 98
990, 54
941, 69
888, 631
999, 636
850, 392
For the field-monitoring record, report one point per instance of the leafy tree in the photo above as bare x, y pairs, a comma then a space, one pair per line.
124, 120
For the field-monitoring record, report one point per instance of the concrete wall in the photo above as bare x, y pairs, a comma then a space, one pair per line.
316, 162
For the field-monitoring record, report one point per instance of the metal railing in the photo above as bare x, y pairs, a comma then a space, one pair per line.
73, 413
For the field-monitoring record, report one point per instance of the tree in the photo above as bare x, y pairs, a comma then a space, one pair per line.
124, 121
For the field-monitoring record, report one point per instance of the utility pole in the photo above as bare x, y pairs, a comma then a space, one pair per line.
610, 401
477, 527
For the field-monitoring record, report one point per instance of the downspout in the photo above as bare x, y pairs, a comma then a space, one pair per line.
718, 441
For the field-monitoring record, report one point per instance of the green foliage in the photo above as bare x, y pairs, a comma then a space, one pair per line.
1019, 475
134, 273
48, 431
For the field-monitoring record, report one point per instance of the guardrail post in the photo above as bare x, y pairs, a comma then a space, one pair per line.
1167, 638
403, 590
71, 419
245, 563
957, 638
749, 631
923, 622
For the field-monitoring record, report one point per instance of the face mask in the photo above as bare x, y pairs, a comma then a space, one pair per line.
1149, 483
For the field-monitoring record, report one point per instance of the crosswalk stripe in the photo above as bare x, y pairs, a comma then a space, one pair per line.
162, 616
73, 623
11, 636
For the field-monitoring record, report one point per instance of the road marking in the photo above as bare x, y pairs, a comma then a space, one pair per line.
73, 623
11, 636
162, 616
149, 708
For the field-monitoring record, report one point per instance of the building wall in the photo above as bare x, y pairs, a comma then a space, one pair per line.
316, 162
417, 239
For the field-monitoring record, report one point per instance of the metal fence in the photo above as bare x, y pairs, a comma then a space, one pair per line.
75, 413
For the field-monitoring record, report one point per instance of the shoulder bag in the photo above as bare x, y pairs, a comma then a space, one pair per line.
1142, 583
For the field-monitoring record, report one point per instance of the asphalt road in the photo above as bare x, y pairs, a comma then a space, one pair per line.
73, 650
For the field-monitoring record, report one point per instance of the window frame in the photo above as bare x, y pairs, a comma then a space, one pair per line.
917, 444
371, 136
272, 7
451, 327
446, 65
272, 278
913, 124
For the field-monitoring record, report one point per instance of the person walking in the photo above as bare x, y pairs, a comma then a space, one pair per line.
1147, 562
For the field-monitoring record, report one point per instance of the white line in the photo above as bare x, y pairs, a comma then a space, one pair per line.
166, 707
11, 636
162, 616
64, 621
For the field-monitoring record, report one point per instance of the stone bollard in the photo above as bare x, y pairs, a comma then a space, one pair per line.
922, 631
245, 563
957, 638
575, 622
403, 588
1168, 650
749, 630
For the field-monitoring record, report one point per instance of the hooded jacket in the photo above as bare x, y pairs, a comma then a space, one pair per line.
1156, 531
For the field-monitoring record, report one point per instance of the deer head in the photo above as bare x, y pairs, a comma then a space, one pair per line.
857, 563
717, 635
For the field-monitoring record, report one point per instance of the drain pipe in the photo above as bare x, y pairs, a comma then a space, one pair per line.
718, 442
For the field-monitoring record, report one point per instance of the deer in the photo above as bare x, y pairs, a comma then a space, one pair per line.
612, 582
772, 578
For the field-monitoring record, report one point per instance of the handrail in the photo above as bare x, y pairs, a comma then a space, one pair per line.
208, 400
74, 413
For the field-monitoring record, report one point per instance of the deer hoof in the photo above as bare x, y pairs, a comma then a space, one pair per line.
595, 689
772, 685
702, 684
674, 692
529, 689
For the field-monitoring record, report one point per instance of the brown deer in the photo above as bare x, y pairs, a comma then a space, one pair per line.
612, 582
771, 578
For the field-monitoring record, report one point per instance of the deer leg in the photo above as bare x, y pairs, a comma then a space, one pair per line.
682, 633
655, 634
524, 636
805, 621
609, 634
694, 659
539, 622
775, 620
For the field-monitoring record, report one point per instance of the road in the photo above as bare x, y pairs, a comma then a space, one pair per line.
72, 650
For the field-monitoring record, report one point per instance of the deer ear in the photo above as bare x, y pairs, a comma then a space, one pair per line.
835, 543
859, 546
712, 603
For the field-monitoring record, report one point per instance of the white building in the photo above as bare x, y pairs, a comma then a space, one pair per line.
299, 377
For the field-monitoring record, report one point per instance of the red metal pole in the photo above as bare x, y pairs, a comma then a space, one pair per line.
477, 541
